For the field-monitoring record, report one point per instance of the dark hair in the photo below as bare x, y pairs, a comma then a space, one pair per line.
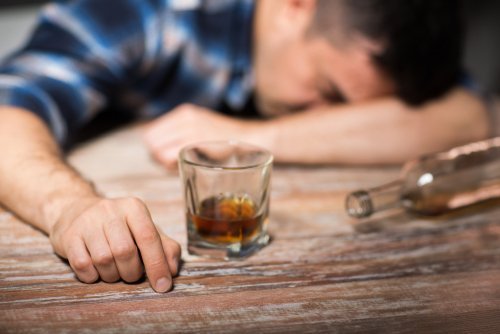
423, 40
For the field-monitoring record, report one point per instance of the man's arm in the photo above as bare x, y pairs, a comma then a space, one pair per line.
100, 237
384, 131
374, 132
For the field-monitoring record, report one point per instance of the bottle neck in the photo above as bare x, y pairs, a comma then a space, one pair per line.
364, 203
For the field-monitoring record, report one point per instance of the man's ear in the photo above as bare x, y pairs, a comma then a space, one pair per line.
366, 47
297, 15
372, 46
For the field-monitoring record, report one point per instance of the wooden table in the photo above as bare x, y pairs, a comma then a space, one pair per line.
321, 273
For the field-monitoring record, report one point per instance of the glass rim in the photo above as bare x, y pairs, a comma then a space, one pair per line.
183, 159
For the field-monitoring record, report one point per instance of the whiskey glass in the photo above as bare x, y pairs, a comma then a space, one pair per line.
226, 186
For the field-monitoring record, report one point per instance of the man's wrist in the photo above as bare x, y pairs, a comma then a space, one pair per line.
261, 133
60, 202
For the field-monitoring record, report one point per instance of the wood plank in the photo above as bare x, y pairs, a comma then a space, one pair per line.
322, 271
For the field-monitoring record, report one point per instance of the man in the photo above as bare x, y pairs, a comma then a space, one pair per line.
298, 58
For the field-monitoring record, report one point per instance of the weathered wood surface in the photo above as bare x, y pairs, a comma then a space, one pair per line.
321, 273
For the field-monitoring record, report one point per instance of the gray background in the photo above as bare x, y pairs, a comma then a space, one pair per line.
482, 56
15, 24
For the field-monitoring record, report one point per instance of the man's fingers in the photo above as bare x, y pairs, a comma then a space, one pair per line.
124, 250
163, 133
179, 123
168, 158
165, 148
102, 257
80, 261
109, 238
148, 240
167, 137
172, 252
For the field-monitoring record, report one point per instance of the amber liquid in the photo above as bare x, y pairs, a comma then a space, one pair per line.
227, 219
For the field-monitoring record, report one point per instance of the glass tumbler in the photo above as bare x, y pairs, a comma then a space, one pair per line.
226, 187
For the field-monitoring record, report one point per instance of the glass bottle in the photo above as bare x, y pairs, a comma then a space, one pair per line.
436, 183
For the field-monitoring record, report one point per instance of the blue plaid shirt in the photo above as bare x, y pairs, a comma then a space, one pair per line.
141, 57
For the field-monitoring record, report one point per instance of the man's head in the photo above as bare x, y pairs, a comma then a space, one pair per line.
312, 52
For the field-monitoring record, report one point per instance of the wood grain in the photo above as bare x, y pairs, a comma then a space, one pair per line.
321, 272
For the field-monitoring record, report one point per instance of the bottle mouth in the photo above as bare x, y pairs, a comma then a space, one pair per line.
359, 204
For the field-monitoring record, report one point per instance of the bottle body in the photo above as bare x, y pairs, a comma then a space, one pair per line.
437, 183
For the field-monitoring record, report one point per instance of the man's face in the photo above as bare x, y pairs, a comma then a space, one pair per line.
300, 71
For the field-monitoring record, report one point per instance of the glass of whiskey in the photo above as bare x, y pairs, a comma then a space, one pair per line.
226, 187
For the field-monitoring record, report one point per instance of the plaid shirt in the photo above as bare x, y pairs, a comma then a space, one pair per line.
140, 57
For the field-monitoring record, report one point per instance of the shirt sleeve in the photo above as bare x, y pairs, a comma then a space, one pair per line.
79, 54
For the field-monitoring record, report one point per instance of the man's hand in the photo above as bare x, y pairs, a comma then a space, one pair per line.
382, 131
107, 238
189, 123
